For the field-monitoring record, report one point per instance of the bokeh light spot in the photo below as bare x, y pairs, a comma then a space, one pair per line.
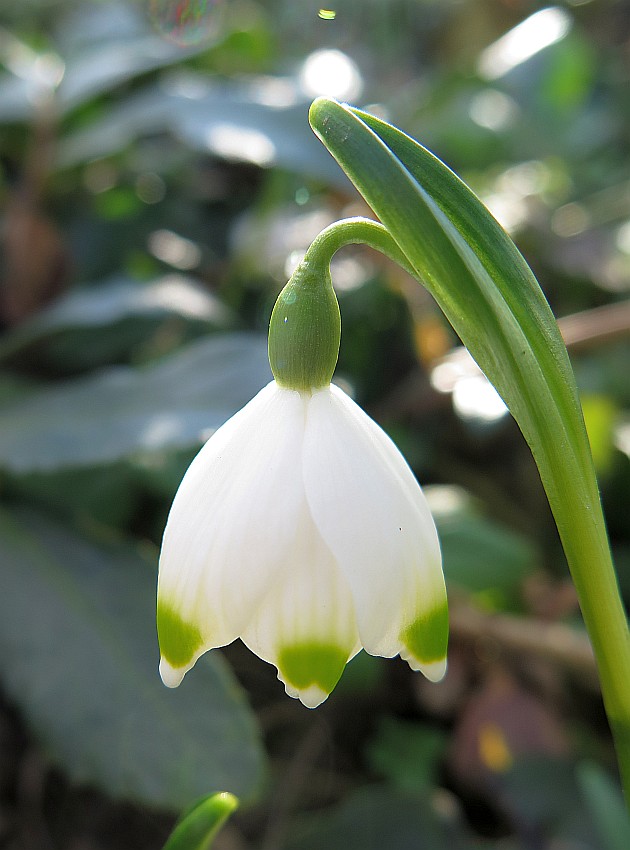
331, 73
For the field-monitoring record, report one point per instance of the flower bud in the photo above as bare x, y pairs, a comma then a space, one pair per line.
305, 329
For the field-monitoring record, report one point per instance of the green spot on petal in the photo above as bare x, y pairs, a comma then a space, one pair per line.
179, 640
312, 664
427, 637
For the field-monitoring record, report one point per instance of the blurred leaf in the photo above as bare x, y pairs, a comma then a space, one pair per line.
375, 818
604, 371
120, 203
77, 627
102, 45
15, 103
542, 796
571, 73
198, 826
406, 753
263, 122
481, 556
600, 416
101, 324
606, 805
123, 411
107, 495
363, 675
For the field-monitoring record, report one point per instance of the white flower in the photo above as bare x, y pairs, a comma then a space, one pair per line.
300, 528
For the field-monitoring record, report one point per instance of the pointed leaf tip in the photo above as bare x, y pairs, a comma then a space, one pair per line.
199, 825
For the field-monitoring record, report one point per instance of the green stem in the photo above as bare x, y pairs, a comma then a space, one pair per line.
583, 534
355, 231
569, 479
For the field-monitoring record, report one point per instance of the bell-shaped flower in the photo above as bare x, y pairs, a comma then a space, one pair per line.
300, 528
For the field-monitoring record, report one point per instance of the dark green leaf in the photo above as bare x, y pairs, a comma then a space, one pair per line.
103, 323
375, 818
77, 628
231, 121
606, 805
122, 412
480, 555
542, 795
406, 753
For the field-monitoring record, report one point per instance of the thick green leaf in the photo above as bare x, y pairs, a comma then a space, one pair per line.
103, 323
198, 826
471, 267
123, 412
490, 296
79, 657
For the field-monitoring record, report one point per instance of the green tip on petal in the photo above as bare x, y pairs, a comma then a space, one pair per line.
179, 644
310, 671
425, 641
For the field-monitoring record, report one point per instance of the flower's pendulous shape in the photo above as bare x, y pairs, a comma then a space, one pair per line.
300, 528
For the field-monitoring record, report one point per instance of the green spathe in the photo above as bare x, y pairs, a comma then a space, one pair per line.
179, 640
427, 637
308, 665
305, 329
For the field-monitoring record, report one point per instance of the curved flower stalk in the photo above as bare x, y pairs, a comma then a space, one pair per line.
454, 247
299, 527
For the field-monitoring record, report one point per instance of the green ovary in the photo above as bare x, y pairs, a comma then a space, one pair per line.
308, 664
427, 637
179, 640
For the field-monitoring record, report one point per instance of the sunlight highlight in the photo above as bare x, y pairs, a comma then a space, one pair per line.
331, 73
175, 250
474, 398
540, 30
242, 144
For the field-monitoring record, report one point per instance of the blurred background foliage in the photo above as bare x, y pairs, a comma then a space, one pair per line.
158, 181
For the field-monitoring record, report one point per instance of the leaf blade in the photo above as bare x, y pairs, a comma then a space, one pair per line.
517, 345
77, 628
198, 827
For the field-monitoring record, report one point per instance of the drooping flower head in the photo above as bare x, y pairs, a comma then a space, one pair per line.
299, 527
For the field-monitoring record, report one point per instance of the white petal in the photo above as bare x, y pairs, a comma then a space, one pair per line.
232, 518
305, 625
171, 676
370, 511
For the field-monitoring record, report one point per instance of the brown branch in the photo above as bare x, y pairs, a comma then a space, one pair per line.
551, 641
595, 327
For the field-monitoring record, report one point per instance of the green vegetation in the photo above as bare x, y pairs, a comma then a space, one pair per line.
159, 181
